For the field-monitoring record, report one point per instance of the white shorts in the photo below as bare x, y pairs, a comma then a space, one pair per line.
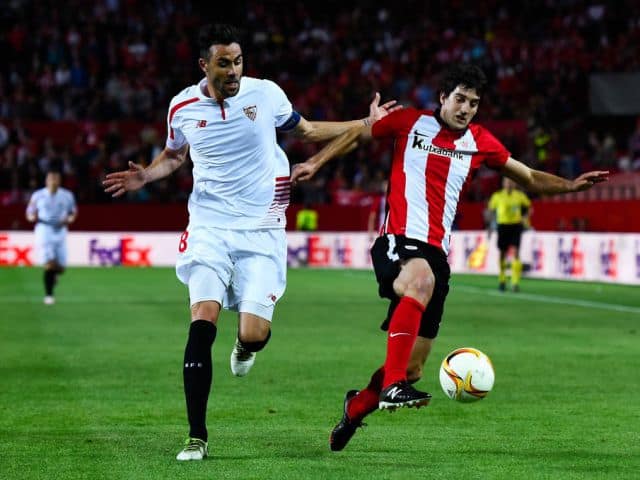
51, 244
243, 270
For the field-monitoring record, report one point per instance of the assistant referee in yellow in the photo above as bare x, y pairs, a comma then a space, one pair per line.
510, 209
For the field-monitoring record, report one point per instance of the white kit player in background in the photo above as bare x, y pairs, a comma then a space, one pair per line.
233, 254
52, 209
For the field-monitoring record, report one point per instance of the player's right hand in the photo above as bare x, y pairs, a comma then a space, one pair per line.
117, 183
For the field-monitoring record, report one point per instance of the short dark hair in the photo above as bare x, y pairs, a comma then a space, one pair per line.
217, 34
465, 74
54, 167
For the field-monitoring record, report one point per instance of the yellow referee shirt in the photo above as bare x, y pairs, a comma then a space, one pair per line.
508, 206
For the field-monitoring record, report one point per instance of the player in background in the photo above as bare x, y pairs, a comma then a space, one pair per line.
510, 210
435, 154
233, 253
52, 209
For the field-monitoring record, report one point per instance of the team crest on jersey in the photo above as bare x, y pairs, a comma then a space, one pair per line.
250, 112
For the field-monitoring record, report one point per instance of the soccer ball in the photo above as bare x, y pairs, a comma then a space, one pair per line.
466, 375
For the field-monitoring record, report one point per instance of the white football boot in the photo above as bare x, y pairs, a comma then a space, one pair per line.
194, 449
241, 360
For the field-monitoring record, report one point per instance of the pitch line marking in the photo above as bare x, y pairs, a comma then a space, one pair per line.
533, 297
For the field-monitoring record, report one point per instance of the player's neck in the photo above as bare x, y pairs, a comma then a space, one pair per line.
209, 91
52, 191
443, 122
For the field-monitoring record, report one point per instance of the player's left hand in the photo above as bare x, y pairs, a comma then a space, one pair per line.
377, 111
589, 179
301, 172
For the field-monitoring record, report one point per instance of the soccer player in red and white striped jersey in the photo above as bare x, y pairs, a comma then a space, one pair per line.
435, 156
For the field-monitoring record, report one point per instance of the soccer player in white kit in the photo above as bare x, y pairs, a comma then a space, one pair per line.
52, 209
233, 253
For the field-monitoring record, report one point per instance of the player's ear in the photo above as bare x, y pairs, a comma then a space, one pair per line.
202, 63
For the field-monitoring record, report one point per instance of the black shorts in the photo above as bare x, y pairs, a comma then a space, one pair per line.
388, 253
509, 235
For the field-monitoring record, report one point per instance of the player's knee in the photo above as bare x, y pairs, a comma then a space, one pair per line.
254, 341
205, 311
421, 286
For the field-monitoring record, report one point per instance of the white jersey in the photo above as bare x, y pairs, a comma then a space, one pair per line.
52, 209
240, 174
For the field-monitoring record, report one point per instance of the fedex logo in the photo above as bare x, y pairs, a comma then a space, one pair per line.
14, 255
537, 256
318, 254
571, 259
609, 259
125, 252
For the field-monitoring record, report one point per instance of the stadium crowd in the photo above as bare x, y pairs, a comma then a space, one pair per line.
109, 68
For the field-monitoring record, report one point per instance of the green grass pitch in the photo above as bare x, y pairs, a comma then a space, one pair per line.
91, 388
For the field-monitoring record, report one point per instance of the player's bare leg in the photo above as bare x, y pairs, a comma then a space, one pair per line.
253, 334
419, 355
197, 374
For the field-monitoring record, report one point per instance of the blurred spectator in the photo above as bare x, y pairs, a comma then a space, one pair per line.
115, 61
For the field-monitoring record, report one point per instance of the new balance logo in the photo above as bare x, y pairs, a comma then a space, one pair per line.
201, 124
393, 393
398, 334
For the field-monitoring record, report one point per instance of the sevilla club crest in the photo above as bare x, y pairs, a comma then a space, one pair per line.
250, 112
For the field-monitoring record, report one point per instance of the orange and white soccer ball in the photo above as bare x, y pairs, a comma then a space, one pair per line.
466, 375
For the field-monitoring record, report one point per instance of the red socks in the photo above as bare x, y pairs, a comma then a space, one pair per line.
366, 401
403, 330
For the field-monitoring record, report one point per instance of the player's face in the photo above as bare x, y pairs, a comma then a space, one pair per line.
459, 107
52, 181
508, 184
223, 69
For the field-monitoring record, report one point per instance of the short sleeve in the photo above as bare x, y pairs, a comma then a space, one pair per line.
175, 138
525, 200
282, 108
394, 123
495, 154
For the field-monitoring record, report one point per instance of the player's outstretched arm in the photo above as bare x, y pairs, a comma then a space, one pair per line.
339, 146
547, 183
312, 131
117, 183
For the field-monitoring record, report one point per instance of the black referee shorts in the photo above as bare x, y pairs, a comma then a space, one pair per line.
388, 253
509, 234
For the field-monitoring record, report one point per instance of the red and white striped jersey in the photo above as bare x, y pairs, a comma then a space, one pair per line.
240, 173
431, 165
